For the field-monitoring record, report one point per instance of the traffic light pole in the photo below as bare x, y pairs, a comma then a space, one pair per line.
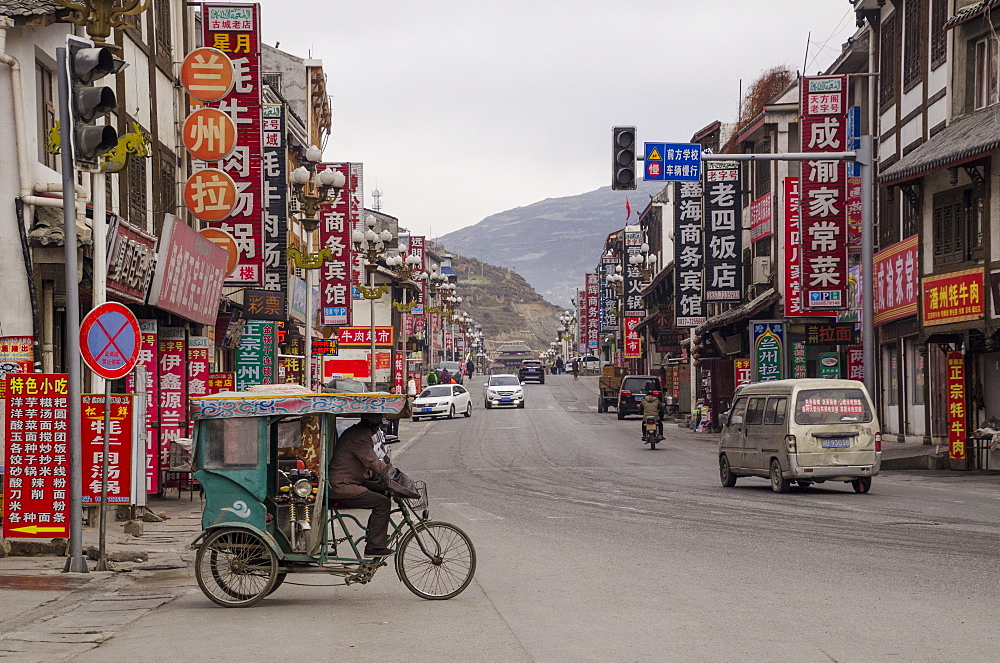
864, 158
76, 562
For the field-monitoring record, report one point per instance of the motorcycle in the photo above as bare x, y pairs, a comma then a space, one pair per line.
651, 431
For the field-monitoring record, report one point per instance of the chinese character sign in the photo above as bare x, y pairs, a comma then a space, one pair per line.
361, 337
743, 372
824, 194
609, 297
856, 363
172, 347
689, 255
767, 343
633, 341
593, 311
119, 436
897, 281
197, 365
679, 162
235, 31
335, 237
219, 382
723, 232
799, 365
633, 282
762, 217
356, 192
953, 297
794, 307
149, 362
36, 456
955, 366
255, 356
275, 170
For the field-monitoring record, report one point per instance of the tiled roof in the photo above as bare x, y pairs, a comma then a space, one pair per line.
965, 139
970, 12
28, 7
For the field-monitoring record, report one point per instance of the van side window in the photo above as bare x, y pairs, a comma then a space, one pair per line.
739, 412
775, 411
755, 411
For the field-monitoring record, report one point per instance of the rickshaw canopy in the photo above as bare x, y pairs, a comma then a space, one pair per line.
231, 404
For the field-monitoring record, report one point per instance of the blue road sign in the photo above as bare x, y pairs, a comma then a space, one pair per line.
672, 162
853, 135
109, 340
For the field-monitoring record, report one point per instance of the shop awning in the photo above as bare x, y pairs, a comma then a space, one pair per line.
965, 139
737, 313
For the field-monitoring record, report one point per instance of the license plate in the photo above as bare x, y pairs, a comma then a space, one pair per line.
834, 442
505, 400
426, 409
639, 398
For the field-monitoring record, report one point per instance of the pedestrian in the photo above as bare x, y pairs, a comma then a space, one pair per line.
559, 366
470, 368
577, 366
432, 378
411, 388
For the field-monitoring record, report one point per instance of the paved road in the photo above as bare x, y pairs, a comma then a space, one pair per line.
594, 548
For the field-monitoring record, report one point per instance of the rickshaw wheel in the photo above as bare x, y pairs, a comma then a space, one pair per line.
236, 568
449, 569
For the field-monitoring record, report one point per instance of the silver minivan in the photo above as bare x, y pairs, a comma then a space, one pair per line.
807, 430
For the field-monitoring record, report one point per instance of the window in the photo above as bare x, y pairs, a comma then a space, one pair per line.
230, 443
888, 60
958, 226
164, 45
939, 38
136, 191
986, 72
775, 411
755, 411
762, 171
888, 220
167, 194
914, 34
911, 211
832, 406
272, 79
739, 412
46, 112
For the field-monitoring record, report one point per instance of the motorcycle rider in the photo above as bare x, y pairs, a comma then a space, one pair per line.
652, 406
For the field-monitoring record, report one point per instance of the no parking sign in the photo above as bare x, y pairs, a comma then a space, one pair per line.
109, 340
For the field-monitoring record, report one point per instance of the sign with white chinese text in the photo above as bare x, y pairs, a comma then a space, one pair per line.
793, 252
897, 281
593, 311
762, 217
723, 232
953, 297
743, 372
672, 162
275, 171
190, 271
361, 337
120, 447
172, 346
255, 356
955, 366
689, 256
767, 343
335, 277
633, 340
149, 365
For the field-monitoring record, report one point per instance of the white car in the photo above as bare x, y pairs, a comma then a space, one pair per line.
503, 390
442, 400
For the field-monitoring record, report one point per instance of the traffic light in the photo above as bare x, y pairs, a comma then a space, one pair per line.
86, 64
623, 163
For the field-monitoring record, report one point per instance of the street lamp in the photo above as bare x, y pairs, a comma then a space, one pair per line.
371, 246
311, 190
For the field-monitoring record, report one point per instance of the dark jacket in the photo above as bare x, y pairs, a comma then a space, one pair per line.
353, 458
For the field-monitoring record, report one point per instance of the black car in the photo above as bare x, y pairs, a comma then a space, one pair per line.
531, 369
632, 391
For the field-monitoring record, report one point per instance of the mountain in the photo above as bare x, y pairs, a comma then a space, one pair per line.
505, 304
554, 242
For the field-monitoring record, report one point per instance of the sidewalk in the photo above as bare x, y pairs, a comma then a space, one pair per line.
46, 615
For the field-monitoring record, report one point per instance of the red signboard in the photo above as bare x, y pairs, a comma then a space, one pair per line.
398, 367
234, 29
149, 361
335, 236
119, 448
131, 261
361, 337
219, 382
633, 342
956, 405
743, 372
824, 194
190, 270
36, 456
197, 366
173, 392
896, 280
761, 218
793, 252
953, 297
593, 312
856, 363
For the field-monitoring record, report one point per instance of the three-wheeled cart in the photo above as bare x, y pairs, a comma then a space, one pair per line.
608, 385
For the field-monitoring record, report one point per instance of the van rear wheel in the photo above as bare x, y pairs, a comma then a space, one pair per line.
862, 485
779, 484
726, 472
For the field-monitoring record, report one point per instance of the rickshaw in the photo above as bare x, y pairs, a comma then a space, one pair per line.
261, 457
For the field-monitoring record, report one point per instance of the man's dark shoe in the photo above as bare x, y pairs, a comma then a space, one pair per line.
378, 552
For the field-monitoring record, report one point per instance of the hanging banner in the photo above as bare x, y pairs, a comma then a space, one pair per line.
723, 232
197, 365
149, 364
361, 337
762, 217
689, 256
255, 356
234, 29
356, 221
172, 345
953, 297
120, 447
955, 364
793, 252
36, 456
609, 295
335, 237
824, 193
275, 170
633, 341
633, 283
743, 372
767, 344
593, 311
799, 359
856, 363
896, 280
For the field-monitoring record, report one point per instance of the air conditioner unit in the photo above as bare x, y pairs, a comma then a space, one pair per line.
762, 270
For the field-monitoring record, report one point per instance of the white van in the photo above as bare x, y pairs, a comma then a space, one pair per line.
808, 431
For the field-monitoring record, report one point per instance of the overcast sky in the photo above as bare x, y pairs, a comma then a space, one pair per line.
463, 108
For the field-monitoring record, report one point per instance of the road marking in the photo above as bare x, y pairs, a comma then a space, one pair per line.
470, 512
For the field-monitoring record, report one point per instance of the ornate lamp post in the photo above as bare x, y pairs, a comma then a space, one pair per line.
311, 190
372, 247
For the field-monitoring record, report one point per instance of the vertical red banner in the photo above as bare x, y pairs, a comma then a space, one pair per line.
823, 201
593, 312
743, 372
633, 342
36, 456
335, 236
793, 252
856, 363
955, 363
398, 368
119, 447
234, 29
197, 365
149, 361
172, 345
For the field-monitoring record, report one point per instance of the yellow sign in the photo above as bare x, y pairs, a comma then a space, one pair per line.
35, 529
654, 155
